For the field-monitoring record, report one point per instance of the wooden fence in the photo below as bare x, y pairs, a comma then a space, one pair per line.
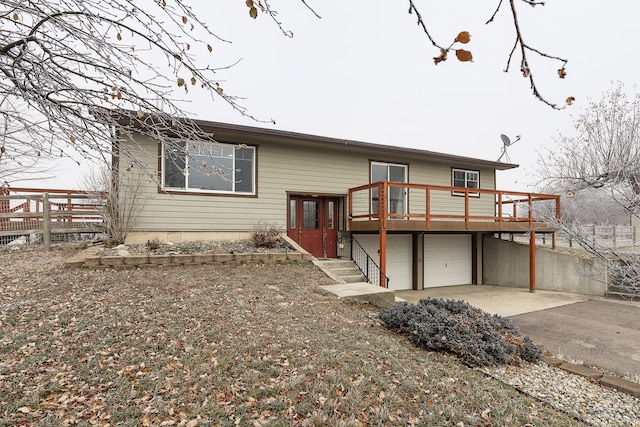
24, 212
617, 236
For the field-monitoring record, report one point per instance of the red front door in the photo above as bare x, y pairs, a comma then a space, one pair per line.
313, 224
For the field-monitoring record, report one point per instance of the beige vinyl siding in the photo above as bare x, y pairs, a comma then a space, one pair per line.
443, 202
296, 168
280, 168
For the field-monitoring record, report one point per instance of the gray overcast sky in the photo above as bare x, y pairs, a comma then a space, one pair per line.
365, 71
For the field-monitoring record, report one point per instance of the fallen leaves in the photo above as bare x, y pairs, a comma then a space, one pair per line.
214, 345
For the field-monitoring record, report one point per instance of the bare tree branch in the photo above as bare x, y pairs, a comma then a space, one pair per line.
421, 23
62, 62
603, 154
525, 49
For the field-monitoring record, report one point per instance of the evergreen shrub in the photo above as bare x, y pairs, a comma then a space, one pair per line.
475, 336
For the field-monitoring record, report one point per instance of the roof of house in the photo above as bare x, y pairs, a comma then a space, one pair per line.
233, 132
227, 129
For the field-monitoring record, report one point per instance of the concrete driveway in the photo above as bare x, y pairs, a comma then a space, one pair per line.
503, 300
598, 332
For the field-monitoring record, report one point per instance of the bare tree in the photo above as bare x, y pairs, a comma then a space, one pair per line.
593, 206
604, 154
119, 210
68, 65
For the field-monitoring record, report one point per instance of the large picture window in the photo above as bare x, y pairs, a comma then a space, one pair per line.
208, 167
465, 179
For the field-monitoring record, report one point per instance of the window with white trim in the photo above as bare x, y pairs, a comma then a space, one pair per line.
397, 197
209, 167
465, 179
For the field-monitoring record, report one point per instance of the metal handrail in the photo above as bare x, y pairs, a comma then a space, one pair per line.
367, 265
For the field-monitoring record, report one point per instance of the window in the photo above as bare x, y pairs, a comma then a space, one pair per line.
311, 215
465, 179
396, 200
209, 167
331, 222
292, 214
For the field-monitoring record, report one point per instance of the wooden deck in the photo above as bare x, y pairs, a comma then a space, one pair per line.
449, 209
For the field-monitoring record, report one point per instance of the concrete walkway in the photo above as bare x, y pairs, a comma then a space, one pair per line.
502, 300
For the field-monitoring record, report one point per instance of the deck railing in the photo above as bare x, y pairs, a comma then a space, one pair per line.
27, 211
384, 201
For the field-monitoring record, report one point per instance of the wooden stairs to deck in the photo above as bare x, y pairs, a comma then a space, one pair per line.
345, 269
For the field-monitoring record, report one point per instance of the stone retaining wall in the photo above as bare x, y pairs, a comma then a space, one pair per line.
90, 260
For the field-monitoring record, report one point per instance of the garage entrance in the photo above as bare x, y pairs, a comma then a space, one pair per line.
447, 260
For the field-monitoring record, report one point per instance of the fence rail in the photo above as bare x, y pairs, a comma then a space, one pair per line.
617, 236
24, 212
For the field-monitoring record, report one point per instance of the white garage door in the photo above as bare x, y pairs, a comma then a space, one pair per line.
399, 257
447, 260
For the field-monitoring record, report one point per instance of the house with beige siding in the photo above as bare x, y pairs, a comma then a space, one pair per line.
419, 216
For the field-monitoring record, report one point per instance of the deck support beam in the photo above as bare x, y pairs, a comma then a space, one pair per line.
383, 258
532, 261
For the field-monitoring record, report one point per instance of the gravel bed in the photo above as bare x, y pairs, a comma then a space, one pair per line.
575, 395
199, 247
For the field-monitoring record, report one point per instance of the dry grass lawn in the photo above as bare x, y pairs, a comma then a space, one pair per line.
228, 345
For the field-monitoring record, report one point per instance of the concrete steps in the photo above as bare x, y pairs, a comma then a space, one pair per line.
345, 270
352, 285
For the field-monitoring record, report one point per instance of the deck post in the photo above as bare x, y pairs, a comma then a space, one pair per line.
46, 222
500, 209
383, 258
532, 261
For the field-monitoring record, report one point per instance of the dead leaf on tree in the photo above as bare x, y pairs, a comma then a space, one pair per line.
442, 57
464, 55
463, 37
562, 73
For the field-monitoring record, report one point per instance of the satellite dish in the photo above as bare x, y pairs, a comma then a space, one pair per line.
506, 142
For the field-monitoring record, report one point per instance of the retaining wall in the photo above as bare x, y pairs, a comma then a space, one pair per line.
507, 264
92, 261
